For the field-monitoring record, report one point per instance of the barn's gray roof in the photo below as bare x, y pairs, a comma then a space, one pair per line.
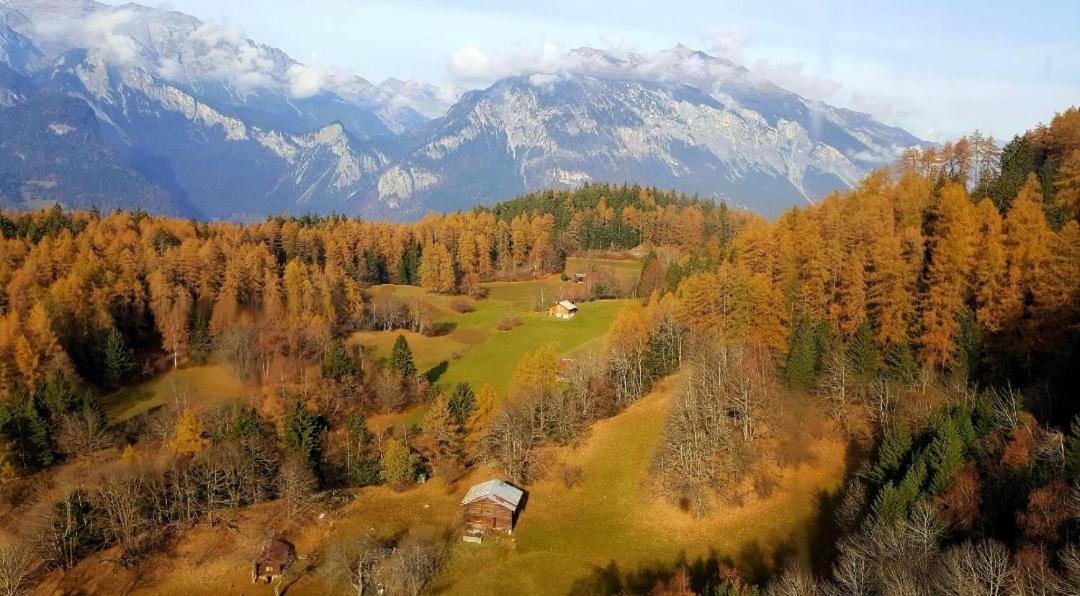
567, 305
496, 490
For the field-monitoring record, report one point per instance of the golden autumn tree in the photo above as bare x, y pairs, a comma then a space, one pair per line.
952, 253
997, 295
889, 299
437, 273
172, 307
1067, 182
535, 373
188, 438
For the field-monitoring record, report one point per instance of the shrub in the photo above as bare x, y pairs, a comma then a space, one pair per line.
571, 476
508, 322
461, 305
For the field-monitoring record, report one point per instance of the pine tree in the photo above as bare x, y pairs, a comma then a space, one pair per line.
337, 363
116, 358
800, 368
401, 359
862, 353
188, 439
893, 453
362, 465
462, 402
200, 342
398, 464
302, 433
900, 365
946, 455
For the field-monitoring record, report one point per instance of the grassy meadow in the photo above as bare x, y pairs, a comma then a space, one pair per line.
608, 531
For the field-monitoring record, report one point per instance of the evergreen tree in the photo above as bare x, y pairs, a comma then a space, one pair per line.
862, 353
116, 358
969, 341
361, 464
28, 431
302, 433
1018, 160
892, 454
946, 453
337, 363
401, 359
900, 365
800, 368
200, 342
462, 402
408, 272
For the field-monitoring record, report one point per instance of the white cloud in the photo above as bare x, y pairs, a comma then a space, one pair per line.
101, 32
471, 63
305, 81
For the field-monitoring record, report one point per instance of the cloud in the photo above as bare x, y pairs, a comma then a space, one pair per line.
101, 32
471, 65
709, 71
794, 77
305, 81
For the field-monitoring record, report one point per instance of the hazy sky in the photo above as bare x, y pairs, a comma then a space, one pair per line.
937, 68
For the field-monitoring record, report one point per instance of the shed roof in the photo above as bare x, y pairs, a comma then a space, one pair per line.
567, 305
496, 490
277, 549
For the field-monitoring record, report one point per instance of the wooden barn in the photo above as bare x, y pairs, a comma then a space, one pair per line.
276, 556
564, 309
492, 505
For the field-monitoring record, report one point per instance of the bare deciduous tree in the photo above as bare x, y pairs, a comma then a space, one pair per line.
974, 568
83, 432
296, 482
15, 570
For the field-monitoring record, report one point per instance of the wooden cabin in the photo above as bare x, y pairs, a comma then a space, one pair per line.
492, 505
564, 309
276, 556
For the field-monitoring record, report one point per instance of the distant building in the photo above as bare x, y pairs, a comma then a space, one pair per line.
276, 556
563, 309
492, 505
579, 278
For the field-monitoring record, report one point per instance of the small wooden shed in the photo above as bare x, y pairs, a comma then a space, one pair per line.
492, 505
276, 556
564, 309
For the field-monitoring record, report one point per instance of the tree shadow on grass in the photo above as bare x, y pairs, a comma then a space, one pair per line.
126, 399
436, 372
755, 565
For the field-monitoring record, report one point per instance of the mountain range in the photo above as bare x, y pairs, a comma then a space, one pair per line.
136, 107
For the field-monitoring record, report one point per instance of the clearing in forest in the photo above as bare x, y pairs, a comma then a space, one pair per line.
609, 530
474, 350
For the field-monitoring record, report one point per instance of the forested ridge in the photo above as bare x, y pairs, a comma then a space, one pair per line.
933, 311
